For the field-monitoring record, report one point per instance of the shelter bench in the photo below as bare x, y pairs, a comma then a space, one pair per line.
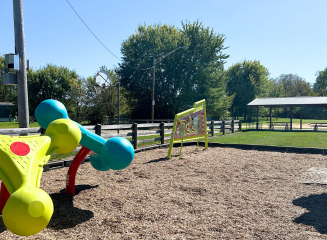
316, 125
283, 124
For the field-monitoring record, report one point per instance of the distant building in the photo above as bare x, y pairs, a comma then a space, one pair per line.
4, 111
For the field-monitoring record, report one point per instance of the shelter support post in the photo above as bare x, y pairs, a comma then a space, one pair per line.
270, 118
301, 118
291, 118
257, 118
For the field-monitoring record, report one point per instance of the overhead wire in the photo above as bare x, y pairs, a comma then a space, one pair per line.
91, 30
144, 69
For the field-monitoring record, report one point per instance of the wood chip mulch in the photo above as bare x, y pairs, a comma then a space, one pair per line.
218, 193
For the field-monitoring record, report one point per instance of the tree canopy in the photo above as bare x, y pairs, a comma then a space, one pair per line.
320, 85
293, 86
101, 103
192, 72
51, 82
247, 80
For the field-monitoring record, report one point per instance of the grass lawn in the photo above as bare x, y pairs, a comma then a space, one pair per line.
16, 125
287, 139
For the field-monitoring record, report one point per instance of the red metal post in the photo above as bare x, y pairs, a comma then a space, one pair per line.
4, 195
71, 174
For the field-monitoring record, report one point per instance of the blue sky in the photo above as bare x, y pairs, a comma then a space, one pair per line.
285, 36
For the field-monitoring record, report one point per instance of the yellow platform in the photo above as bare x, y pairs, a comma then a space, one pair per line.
29, 209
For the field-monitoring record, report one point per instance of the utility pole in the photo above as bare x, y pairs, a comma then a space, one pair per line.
154, 76
22, 94
153, 81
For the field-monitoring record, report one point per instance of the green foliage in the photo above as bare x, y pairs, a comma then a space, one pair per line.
52, 82
103, 103
247, 80
291, 85
182, 77
276, 89
321, 83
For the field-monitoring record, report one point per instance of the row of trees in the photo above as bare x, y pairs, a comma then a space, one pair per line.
192, 70
76, 93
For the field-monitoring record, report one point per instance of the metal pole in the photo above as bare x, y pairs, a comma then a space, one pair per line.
257, 118
270, 125
22, 94
291, 118
118, 84
301, 119
153, 81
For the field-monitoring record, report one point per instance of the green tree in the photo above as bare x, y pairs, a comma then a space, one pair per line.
77, 99
276, 89
247, 80
294, 86
103, 102
320, 85
183, 77
52, 82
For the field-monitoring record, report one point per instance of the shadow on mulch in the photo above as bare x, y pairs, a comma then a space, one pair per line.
157, 160
65, 215
317, 215
2, 226
173, 155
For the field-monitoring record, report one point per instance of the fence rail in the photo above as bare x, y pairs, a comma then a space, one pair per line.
136, 130
122, 120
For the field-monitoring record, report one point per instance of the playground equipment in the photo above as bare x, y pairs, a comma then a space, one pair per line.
190, 125
28, 209
116, 153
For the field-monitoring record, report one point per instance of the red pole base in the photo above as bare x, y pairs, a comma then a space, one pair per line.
4, 195
71, 174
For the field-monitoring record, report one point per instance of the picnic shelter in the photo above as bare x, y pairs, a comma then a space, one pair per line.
287, 102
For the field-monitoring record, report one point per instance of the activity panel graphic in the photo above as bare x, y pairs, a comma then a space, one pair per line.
190, 125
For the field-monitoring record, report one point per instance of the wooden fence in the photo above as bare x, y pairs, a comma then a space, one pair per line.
135, 130
130, 121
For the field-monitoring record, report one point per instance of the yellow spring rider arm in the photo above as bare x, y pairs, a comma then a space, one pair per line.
29, 209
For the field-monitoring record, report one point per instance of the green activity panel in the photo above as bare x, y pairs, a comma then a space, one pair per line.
190, 125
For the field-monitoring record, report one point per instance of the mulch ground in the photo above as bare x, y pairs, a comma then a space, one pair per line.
218, 193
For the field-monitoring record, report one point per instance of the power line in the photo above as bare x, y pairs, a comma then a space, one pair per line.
144, 69
91, 31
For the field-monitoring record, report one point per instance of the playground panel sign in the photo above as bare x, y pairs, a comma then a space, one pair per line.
190, 125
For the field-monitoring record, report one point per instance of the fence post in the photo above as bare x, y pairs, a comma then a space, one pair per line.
232, 126
98, 129
212, 128
223, 127
23, 133
134, 132
43, 130
240, 125
162, 132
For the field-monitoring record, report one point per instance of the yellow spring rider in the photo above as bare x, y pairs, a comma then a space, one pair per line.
29, 208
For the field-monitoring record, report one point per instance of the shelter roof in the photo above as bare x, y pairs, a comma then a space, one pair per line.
290, 102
